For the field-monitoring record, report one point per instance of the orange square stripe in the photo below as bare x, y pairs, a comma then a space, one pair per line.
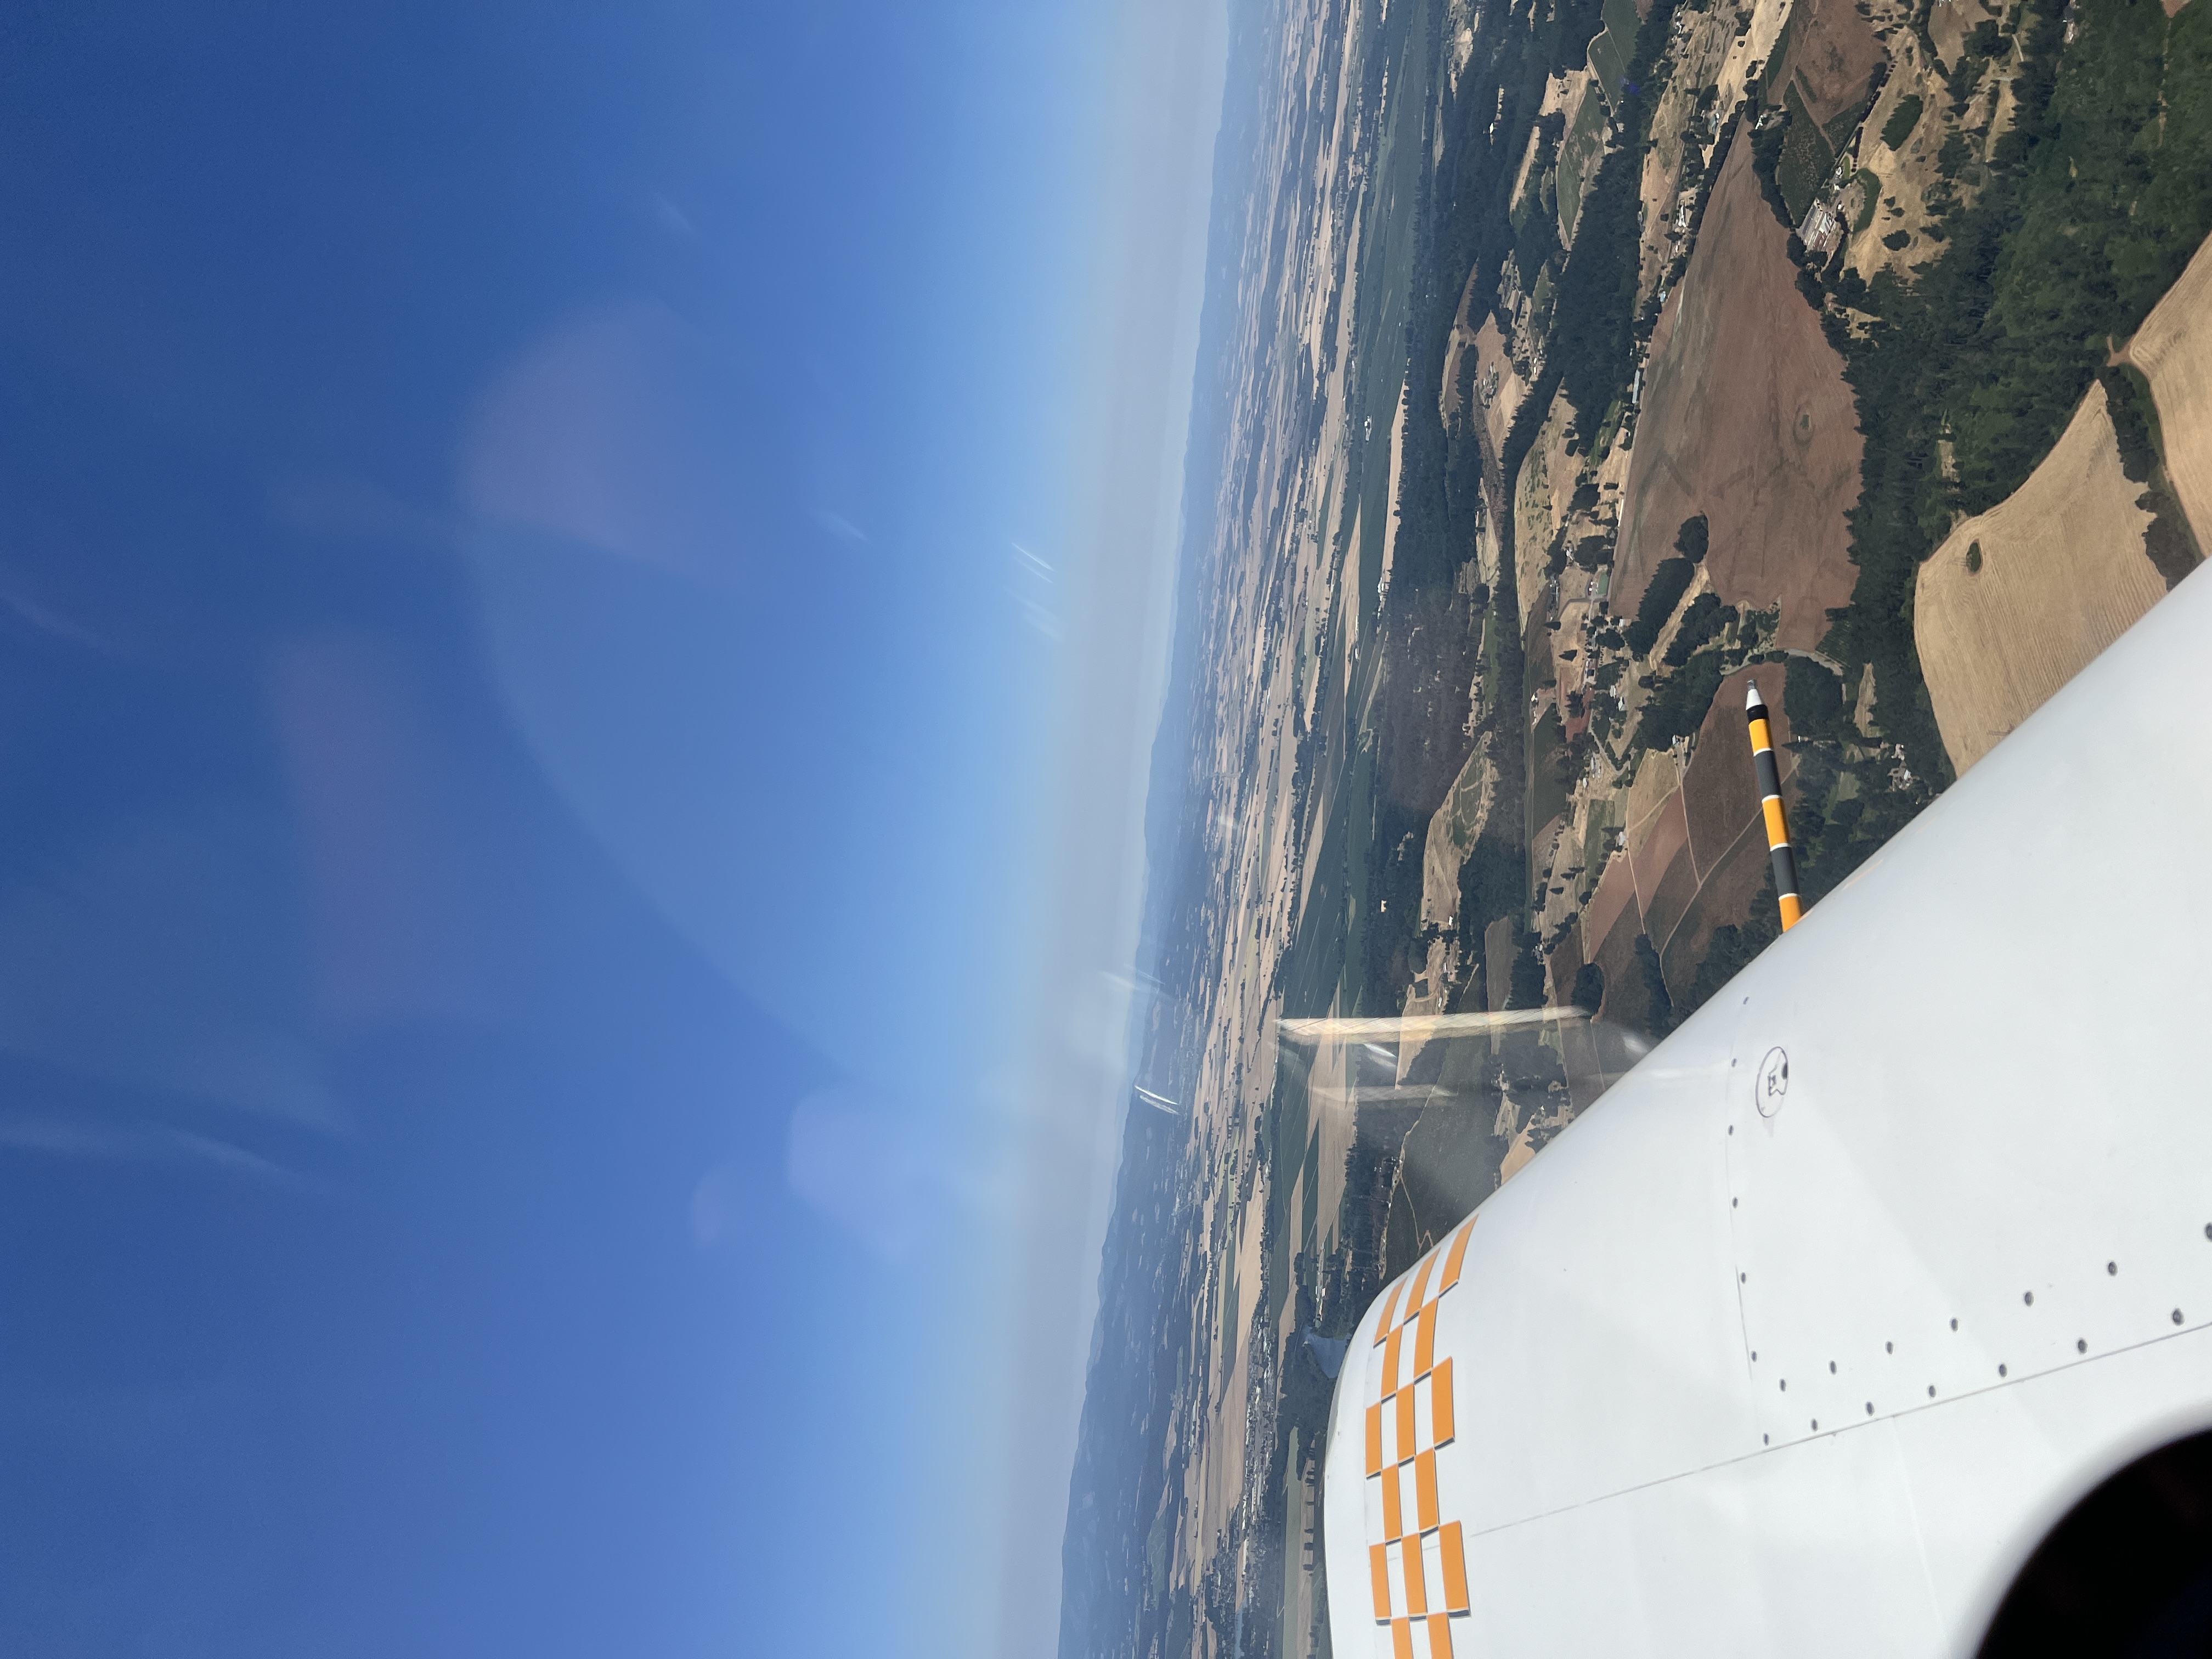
1394, 1516
1425, 1340
1424, 1491
1414, 1303
1457, 1255
1402, 1638
1378, 1566
1453, 1549
1390, 1306
1440, 1402
1391, 1352
1439, 1637
1417, 1587
1374, 1439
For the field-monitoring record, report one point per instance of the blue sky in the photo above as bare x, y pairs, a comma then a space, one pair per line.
541, 549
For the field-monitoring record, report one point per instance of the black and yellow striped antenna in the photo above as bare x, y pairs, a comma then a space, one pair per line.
1770, 802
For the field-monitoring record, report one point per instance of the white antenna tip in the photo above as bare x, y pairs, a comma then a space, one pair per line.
1751, 697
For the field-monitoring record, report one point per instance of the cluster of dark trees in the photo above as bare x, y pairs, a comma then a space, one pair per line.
1704, 619
1670, 580
1902, 119
2167, 538
1678, 703
1595, 323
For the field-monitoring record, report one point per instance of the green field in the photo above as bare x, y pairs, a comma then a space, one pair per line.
1615, 45
1869, 183
1548, 779
1577, 152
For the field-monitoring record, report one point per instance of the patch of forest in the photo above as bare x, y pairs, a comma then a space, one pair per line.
2053, 248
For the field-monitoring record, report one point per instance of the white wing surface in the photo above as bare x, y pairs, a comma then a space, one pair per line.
1804, 1336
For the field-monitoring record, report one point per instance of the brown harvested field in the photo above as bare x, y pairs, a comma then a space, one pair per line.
1669, 898
1730, 888
1662, 326
1697, 853
1727, 850
1615, 895
1833, 55
1746, 420
2062, 575
1626, 1002
2175, 352
1722, 788
1663, 836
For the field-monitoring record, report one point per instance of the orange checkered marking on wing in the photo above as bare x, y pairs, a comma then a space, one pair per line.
1382, 1326
1409, 1507
1417, 1582
1415, 1303
1456, 1257
1453, 1548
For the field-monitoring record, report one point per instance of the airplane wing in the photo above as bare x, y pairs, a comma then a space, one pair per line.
1809, 1336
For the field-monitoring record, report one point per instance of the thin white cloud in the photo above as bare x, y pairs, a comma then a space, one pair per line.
66, 1137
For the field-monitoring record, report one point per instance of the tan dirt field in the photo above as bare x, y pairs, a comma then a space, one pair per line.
1490, 355
1453, 831
1397, 472
2063, 574
1547, 485
1747, 420
1461, 338
1833, 54
1905, 174
1949, 22
2175, 352
1497, 953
